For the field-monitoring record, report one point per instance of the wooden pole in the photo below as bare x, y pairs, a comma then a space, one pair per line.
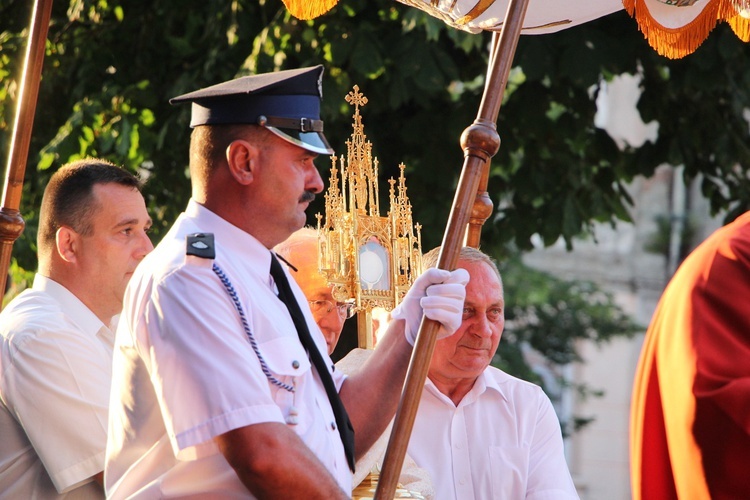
480, 142
483, 207
11, 222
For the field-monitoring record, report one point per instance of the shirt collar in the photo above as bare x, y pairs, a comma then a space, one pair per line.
483, 383
493, 384
235, 241
82, 316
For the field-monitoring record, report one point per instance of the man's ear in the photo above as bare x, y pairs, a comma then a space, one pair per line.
242, 158
66, 244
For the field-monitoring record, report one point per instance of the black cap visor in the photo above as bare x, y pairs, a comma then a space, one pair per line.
311, 141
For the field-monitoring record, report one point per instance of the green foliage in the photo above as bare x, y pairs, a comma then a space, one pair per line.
550, 318
111, 67
553, 315
19, 279
701, 103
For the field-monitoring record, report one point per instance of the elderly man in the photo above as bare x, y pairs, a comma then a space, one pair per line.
481, 433
55, 338
222, 385
301, 250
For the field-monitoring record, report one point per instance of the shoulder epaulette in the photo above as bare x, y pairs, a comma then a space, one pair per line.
201, 245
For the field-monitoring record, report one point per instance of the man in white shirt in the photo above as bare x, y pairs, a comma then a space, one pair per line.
222, 385
55, 338
301, 250
481, 433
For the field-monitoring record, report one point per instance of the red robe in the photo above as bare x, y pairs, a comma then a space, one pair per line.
690, 411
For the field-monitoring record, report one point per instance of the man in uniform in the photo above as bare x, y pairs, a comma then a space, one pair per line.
480, 433
221, 386
55, 338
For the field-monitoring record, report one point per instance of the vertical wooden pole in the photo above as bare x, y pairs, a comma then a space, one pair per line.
11, 222
482, 208
480, 142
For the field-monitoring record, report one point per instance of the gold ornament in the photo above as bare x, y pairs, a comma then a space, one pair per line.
367, 258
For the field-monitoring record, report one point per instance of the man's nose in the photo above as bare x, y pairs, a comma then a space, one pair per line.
145, 246
482, 326
315, 183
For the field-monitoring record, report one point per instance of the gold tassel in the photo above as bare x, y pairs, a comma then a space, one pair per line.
309, 9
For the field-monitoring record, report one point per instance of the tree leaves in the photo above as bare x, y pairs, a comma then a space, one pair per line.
112, 67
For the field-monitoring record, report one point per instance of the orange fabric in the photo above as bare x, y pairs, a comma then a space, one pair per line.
676, 43
690, 413
309, 9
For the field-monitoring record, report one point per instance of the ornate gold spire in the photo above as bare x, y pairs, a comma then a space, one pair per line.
367, 258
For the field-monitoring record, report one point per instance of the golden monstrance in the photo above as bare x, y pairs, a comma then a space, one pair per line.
367, 258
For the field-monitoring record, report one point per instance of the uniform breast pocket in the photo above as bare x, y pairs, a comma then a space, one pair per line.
509, 469
287, 362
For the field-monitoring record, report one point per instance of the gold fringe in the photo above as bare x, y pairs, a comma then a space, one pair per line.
676, 43
309, 9
740, 25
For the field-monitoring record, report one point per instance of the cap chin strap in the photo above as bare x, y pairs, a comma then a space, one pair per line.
301, 124
311, 128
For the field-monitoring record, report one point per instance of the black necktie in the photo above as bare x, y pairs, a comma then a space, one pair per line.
346, 431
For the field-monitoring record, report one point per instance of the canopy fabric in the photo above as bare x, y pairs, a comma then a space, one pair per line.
542, 16
674, 28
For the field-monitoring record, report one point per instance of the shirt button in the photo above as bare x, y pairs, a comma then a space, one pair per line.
295, 364
333, 426
462, 481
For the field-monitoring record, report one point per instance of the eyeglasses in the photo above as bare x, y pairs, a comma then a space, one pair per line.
344, 309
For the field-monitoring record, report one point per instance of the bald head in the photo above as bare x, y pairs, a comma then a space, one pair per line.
301, 250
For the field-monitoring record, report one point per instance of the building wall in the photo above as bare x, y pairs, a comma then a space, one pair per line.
618, 262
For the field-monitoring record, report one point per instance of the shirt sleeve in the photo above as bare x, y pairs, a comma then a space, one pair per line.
58, 390
206, 377
548, 475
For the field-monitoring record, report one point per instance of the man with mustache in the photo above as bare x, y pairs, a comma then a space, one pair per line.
479, 432
223, 386
56, 338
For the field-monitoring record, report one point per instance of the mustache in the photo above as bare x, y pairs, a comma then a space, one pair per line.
307, 197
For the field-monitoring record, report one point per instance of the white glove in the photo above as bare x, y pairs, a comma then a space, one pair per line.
439, 295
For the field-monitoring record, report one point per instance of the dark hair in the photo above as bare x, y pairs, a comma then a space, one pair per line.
68, 198
209, 143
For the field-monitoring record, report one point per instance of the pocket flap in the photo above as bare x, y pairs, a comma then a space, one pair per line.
285, 356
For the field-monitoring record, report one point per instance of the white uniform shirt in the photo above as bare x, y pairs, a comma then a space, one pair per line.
55, 367
185, 372
502, 442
